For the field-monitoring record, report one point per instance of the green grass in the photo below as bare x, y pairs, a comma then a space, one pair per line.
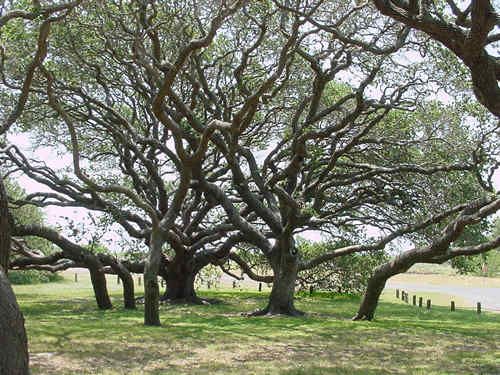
68, 335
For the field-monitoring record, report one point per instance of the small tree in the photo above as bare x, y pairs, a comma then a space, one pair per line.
344, 274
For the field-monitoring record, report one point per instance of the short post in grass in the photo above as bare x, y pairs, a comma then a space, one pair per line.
403, 295
397, 293
420, 301
311, 290
428, 304
118, 279
479, 307
260, 287
234, 284
76, 277
452, 307
414, 300
139, 280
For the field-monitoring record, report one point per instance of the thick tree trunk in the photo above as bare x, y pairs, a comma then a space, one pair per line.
369, 303
285, 264
377, 281
181, 287
14, 358
151, 288
98, 278
181, 275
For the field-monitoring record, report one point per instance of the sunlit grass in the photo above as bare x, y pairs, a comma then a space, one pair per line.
68, 335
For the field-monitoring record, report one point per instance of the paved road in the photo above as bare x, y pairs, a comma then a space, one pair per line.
489, 297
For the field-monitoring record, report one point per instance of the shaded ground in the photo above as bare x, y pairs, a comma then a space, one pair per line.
68, 335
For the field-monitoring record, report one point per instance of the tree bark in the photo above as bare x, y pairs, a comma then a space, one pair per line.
5, 229
151, 288
126, 278
180, 287
181, 275
380, 275
284, 261
14, 359
98, 278
371, 297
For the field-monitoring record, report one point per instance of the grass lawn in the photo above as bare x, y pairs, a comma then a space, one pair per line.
68, 335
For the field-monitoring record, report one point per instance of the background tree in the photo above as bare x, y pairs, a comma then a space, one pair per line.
345, 274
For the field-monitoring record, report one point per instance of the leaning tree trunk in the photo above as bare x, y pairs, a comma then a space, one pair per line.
377, 281
376, 285
151, 287
180, 278
126, 278
14, 359
285, 264
98, 278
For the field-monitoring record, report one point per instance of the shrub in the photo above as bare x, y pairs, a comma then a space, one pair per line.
33, 277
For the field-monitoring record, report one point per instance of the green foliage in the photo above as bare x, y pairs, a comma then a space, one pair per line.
493, 263
345, 274
473, 235
468, 265
493, 257
33, 277
209, 277
28, 214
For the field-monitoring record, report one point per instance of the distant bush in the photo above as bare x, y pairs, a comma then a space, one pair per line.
33, 277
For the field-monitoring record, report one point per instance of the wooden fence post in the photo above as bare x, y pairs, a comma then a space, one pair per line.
414, 300
479, 307
76, 277
397, 293
420, 301
311, 290
452, 306
260, 287
234, 284
139, 280
403, 295
118, 279
428, 304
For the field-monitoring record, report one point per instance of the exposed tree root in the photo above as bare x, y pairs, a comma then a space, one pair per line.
184, 301
358, 317
282, 312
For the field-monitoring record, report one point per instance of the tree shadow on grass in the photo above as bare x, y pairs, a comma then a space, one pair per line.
318, 370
